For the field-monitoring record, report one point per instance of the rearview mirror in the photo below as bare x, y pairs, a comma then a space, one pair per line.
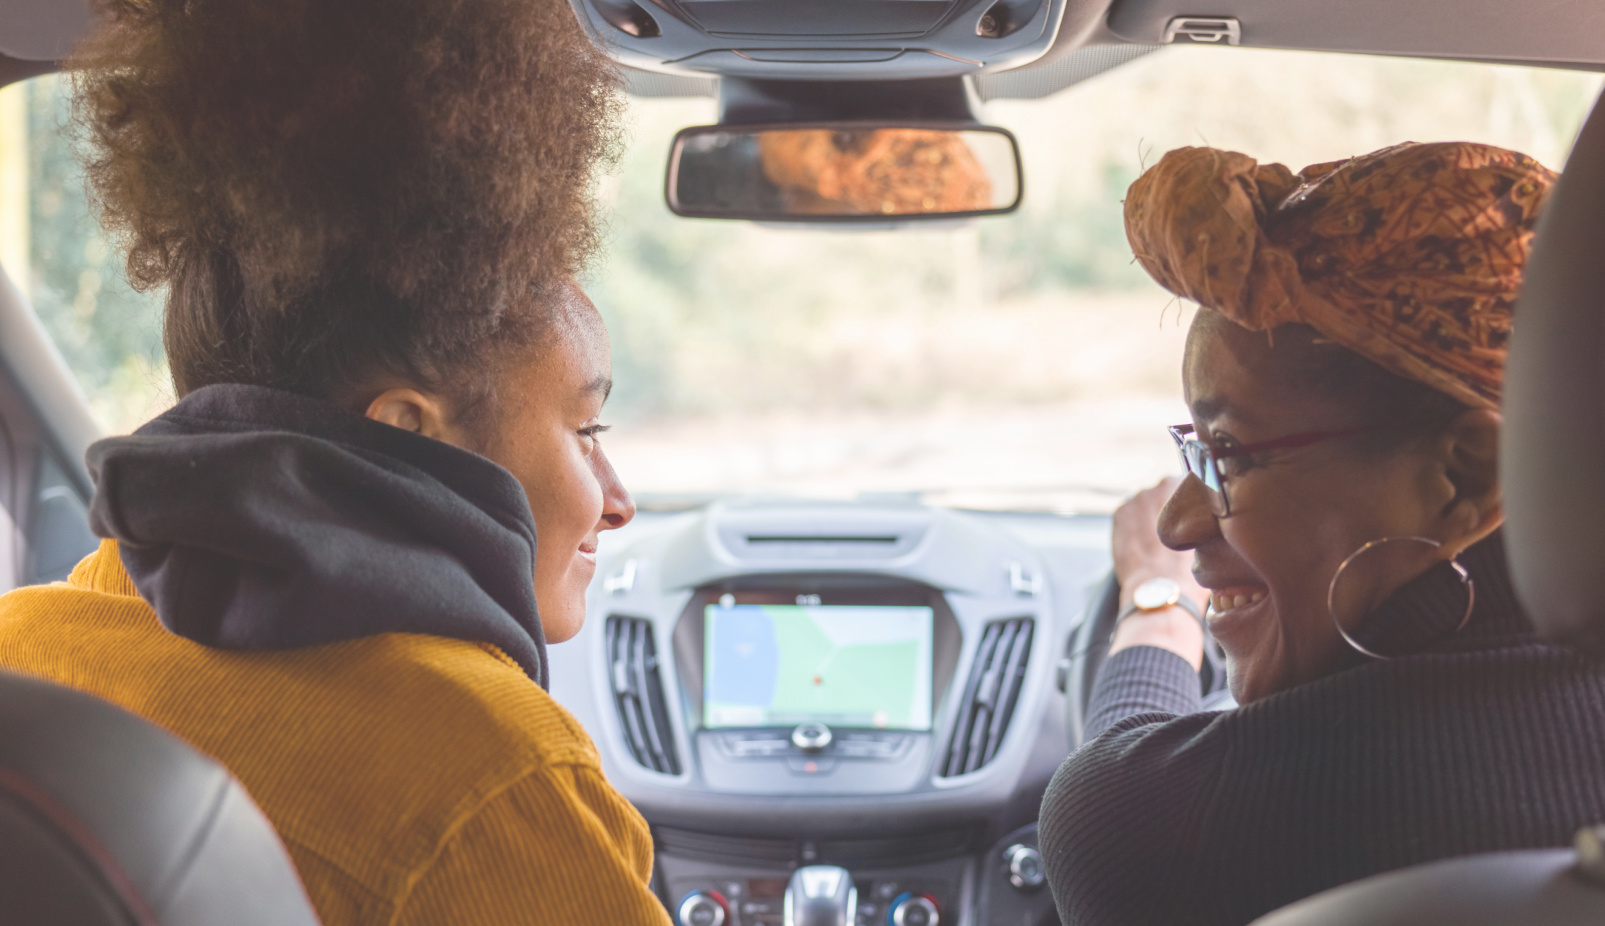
843, 172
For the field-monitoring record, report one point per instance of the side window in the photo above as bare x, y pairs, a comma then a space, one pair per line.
65, 265
44, 521
80, 350
58, 529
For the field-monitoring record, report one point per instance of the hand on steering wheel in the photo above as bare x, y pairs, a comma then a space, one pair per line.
1139, 556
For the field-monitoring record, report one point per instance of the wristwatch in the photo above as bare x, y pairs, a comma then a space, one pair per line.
1157, 594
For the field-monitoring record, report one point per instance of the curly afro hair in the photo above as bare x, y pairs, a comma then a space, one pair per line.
338, 190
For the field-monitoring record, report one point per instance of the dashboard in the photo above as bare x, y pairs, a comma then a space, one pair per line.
871, 693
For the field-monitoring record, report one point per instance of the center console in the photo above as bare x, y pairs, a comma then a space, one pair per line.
863, 695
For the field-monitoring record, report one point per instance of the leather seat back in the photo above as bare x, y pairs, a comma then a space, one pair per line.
1552, 455
107, 819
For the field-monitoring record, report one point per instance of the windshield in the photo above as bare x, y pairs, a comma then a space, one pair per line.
1022, 362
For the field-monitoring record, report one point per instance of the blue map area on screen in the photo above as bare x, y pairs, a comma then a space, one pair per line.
842, 665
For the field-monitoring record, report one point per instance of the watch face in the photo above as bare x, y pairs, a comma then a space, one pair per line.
1156, 593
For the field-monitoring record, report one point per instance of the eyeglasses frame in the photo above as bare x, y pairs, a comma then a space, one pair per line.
1182, 434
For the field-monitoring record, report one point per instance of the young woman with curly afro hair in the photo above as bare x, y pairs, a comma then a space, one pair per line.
321, 566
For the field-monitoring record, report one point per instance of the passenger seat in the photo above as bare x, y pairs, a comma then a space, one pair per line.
107, 820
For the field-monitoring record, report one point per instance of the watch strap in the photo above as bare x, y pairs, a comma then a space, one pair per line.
1183, 602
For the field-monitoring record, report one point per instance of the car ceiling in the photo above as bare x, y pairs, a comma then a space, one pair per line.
1092, 36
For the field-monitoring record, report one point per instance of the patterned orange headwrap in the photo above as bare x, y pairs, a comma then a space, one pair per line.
1410, 256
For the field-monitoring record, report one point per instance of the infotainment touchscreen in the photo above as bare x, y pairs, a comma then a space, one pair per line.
841, 665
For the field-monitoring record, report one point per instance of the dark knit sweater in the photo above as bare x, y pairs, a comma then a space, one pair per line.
1487, 740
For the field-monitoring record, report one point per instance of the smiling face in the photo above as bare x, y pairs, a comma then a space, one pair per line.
543, 427
1296, 514
547, 434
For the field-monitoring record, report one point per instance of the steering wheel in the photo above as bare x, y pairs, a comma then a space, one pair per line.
1089, 645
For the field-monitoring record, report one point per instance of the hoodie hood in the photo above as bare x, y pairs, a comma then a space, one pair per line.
252, 518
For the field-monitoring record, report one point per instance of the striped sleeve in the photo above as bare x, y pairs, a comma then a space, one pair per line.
1141, 680
1120, 822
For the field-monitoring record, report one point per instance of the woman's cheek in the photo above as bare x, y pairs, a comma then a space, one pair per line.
560, 596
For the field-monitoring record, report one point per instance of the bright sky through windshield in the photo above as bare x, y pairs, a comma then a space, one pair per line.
1021, 362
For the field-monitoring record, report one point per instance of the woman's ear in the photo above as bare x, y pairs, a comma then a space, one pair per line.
411, 410
1470, 458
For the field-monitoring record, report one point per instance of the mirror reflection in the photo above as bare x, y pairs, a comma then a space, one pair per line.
835, 172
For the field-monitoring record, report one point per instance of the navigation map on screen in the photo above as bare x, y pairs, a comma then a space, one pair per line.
841, 665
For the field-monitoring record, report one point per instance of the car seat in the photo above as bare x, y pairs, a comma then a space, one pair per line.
1552, 457
107, 820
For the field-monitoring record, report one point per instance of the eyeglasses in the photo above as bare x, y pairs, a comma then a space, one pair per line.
1202, 459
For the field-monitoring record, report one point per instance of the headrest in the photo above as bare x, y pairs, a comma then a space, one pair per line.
1552, 454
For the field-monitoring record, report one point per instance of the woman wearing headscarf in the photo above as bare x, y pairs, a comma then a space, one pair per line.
1341, 512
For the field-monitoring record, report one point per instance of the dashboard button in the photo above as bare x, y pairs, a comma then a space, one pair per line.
914, 910
1025, 867
810, 766
702, 908
811, 737
872, 745
747, 746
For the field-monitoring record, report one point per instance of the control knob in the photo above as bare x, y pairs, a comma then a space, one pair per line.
703, 908
1025, 867
914, 910
811, 737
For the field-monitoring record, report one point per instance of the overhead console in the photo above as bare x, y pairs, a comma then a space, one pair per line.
824, 39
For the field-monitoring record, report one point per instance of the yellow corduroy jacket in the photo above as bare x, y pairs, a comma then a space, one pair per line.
414, 779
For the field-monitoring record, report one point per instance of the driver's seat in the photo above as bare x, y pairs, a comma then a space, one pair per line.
1552, 457
107, 820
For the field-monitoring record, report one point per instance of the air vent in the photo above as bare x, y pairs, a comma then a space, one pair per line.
632, 657
990, 694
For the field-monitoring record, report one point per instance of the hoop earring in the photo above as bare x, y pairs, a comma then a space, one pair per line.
1331, 591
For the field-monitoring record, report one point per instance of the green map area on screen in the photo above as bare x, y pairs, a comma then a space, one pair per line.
842, 665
